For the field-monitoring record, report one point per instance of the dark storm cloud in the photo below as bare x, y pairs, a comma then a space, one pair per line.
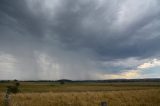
70, 29
99, 38
73, 30
69, 32
16, 15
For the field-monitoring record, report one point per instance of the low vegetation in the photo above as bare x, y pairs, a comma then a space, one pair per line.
1, 99
114, 98
84, 94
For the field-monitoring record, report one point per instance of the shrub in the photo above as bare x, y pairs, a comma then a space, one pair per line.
61, 82
12, 89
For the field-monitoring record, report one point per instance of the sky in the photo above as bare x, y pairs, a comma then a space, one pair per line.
79, 39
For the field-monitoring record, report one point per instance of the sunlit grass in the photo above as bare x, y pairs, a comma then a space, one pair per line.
113, 98
84, 94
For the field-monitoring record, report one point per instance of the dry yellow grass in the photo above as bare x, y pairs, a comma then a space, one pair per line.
114, 98
1, 98
84, 94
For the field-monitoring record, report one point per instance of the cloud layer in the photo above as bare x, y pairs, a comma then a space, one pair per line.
82, 39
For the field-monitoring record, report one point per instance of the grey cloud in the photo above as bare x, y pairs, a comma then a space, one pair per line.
80, 35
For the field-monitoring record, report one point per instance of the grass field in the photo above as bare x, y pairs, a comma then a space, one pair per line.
84, 94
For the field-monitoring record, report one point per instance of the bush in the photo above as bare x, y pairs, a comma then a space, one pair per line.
12, 89
61, 82
16, 83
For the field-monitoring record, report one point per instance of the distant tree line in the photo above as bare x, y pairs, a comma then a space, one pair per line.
109, 80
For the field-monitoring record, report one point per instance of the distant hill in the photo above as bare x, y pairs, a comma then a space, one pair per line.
64, 80
108, 80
